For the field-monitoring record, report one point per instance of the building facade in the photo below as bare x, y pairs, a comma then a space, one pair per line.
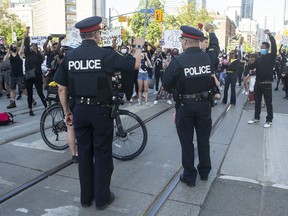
226, 30
247, 9
249, 29
55, 17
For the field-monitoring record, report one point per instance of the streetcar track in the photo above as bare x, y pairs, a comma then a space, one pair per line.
54, 170
160, 199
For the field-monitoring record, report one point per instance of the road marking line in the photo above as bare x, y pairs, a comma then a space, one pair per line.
38, 144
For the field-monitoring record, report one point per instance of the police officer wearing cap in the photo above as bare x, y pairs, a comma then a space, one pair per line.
85, 74
188, 76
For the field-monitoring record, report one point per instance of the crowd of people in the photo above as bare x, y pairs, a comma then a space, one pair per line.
192, 79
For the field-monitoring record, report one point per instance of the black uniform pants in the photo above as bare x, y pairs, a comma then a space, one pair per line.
230, 79
94, 133
266, 91
158, 75
37, 81
189, 116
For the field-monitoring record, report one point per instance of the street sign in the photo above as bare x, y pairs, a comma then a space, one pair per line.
148, 10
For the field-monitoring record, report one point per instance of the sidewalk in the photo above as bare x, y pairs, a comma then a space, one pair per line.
253, 177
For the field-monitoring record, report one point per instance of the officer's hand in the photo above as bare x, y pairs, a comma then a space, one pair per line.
139, 41
69, 120
209, 27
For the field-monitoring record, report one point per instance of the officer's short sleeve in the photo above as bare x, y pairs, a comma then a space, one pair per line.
61, 75
170, 75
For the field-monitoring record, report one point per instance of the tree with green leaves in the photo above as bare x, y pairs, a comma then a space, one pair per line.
187, 15
9, 22
153, 30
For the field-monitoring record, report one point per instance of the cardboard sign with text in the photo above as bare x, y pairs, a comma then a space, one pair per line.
108, 35
39, 40
171, 39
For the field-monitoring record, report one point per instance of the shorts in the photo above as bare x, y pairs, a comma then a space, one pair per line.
20, 81
143, 76
6, 76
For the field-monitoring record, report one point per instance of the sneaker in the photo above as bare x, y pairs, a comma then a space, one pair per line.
134, 95
253, 121
31, 113
146, 104
11, 105
19, 97
139, 103
155, 102
169, 102
156, 92
246, 93
267, 124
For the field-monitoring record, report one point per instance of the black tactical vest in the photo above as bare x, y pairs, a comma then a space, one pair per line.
87, 77
196, 74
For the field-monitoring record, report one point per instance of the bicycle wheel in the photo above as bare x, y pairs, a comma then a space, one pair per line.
130, 136
53, 128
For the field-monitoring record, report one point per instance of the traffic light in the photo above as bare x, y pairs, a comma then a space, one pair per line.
158, 15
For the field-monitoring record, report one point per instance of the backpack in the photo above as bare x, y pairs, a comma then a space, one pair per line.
5, 118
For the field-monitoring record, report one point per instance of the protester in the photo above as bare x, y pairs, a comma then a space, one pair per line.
264, 78
33, 60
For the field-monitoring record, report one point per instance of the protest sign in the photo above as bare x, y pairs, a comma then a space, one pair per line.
39, 40
108, 35
171, 39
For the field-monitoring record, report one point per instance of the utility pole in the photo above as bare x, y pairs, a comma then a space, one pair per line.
146, 20
285, 12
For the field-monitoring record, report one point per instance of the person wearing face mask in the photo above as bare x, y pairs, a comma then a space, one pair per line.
15, 56
160, 93
264, 78
127, 78
157, 60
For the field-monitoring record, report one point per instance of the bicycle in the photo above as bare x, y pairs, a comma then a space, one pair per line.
52, 126
130, 133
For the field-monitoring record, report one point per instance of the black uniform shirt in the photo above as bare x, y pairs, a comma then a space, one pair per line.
110, 60
174, 76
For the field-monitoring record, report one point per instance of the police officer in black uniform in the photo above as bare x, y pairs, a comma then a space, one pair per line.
85, 73
188, 76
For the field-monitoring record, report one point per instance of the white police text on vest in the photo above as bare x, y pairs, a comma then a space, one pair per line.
197, 71
84, 64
